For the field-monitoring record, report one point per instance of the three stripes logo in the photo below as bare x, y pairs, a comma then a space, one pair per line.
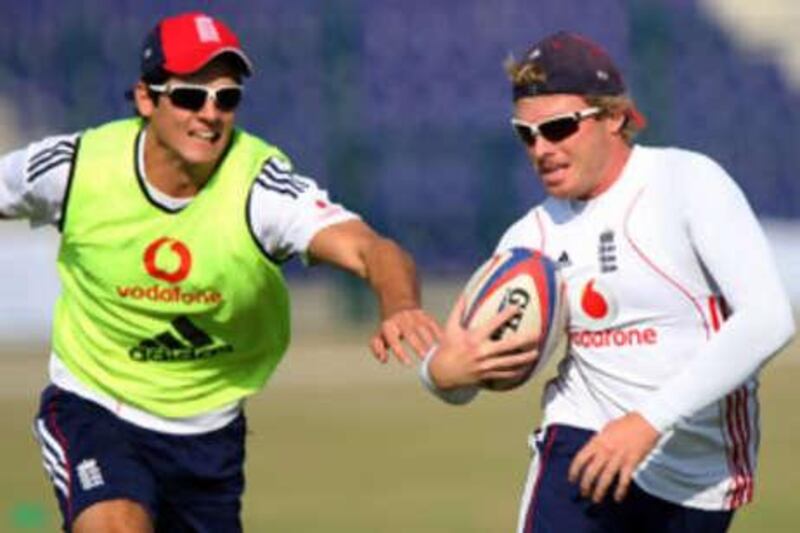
54, 459
190, 344
277, 176
60, 153
57, 465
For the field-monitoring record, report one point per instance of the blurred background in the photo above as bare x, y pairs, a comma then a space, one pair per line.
400, 108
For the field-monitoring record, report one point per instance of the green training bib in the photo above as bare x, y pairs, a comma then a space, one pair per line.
176, 313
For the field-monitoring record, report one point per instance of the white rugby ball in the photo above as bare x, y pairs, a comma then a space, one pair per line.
526, 278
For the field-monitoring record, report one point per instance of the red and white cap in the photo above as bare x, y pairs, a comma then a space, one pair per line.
185, 43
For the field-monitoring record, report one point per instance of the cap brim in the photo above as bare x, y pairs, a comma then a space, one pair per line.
242, 61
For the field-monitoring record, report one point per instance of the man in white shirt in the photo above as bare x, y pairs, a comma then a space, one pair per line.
652, 422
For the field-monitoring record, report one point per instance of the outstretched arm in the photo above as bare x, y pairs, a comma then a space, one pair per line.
33, 180
390, 272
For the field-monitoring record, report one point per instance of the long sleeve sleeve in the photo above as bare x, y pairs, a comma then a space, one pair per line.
733, 249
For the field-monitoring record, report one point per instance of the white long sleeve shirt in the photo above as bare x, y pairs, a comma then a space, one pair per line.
675, 303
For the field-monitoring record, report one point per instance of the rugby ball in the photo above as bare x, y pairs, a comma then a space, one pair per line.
526, 278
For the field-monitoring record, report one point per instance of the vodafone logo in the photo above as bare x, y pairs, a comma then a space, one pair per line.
595, 310
593, 303
596, 303
168, 259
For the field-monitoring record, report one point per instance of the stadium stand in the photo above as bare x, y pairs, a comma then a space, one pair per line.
401, 107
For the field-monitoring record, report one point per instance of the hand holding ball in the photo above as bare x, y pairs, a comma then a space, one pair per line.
529, 280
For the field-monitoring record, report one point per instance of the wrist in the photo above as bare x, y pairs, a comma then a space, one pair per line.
454, 395
657, 415
389, 309
435, 373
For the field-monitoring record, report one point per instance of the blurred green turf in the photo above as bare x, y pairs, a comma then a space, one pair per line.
386, 457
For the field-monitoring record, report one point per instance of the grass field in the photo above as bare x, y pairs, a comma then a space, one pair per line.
339, 443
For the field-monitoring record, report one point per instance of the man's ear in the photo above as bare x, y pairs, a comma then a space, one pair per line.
616, 121
142, 100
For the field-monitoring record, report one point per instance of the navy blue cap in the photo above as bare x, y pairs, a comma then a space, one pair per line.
571, 64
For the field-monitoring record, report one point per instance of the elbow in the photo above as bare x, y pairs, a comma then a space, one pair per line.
778, 326
789, 327
784, 322
767, 325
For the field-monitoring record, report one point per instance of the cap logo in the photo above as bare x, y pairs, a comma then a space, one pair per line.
206, 30
534, 54
602, 75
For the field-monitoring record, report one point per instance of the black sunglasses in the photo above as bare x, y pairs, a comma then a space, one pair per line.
553, 129
193, 97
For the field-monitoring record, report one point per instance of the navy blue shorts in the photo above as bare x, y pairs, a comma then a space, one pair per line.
553, 505
186, 482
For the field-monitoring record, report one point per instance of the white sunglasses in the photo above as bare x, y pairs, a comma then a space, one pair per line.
193, 97
554, 129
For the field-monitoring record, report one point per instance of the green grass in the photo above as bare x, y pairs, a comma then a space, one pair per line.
380, 455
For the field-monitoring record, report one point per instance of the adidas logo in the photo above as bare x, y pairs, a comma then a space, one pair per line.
166, 347
564, 260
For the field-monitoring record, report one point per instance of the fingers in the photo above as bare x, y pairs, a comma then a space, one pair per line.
508, 362
589, 476
505, 375
606, 477
429, 332
416, 339
516, 343
579, 463
485, 330
392, 335
454, 319
593, 471
378, 349
613, 455
412, 326
597, 474
623, 483
431, 324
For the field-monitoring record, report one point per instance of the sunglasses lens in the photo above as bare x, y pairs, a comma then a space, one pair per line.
189, 98
559, 129
525, 134
229, 98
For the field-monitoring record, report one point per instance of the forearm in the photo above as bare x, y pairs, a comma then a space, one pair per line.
391, 274
724, 363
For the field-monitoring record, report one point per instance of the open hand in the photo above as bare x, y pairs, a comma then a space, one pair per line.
414, 326
613, 454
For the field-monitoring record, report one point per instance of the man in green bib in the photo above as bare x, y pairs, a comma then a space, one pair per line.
173, 308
